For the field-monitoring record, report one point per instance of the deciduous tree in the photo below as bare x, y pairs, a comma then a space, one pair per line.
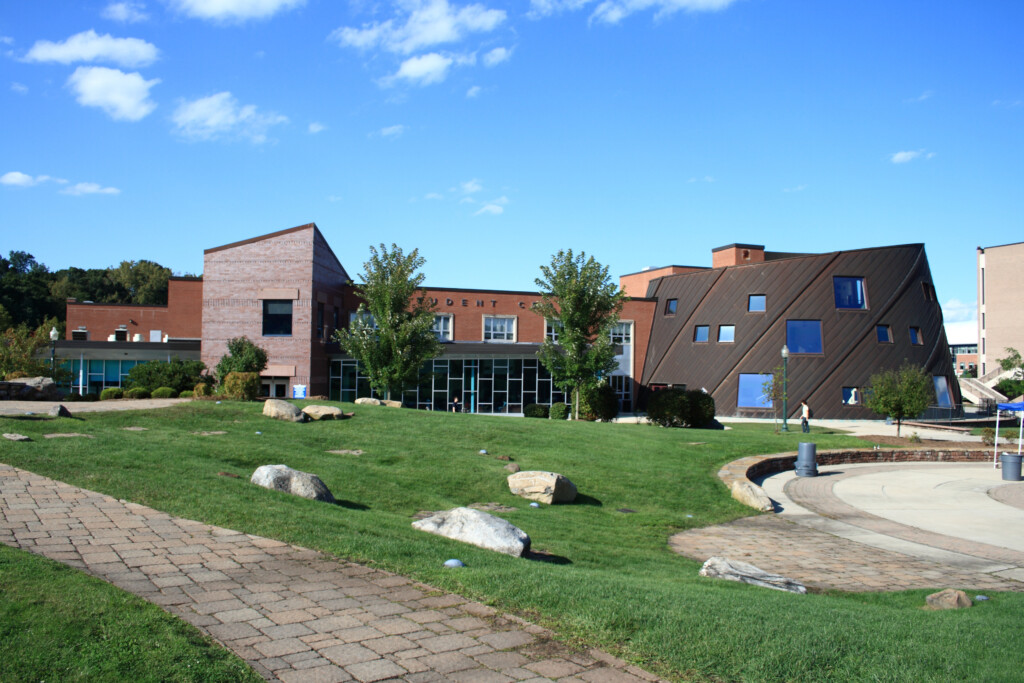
391, 334
899, 394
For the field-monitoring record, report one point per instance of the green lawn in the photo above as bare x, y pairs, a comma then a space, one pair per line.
614, 582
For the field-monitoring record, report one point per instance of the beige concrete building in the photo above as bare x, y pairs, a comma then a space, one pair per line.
1000, 304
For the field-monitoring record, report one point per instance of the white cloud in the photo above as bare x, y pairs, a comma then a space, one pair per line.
220, 115
473, 92
80, 189
1007, 103
490, 209
87, 46
423, 70
909, 155
433, 196
125, 12
471, 186
6, 40
19, 88
17, 179
497, 56
962, 333
421, 24
926, 95
392, 131
335, 198
797, 188
614, 11
705, 179
956, 311
125, 97
316, 127
233, 10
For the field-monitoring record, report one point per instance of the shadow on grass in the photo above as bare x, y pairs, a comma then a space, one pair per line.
582, 499
541, 556
349, 505
40, 418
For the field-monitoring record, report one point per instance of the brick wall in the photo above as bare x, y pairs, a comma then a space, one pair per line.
181, 318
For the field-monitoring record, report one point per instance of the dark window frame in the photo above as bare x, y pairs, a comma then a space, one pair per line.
843, 304
795, 348
888, 333
916, 338
764, 303
726, 341
696, 334
670, 306
274, 323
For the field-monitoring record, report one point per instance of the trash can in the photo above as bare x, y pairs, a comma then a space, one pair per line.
1011, 466
807, 464
298, 391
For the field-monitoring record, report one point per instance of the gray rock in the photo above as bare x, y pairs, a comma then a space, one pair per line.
544, 487
283, 410
324, 413
477, 528
734, 570
16, 437
34, 389
284, 478
948, 599
752, 495
59, 411
512, 467
367, 401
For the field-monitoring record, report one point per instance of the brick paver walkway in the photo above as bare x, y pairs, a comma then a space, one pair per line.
294, 614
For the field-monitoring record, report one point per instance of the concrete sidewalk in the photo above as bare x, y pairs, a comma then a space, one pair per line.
292, 613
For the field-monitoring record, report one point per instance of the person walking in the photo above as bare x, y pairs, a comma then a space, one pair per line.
805, 415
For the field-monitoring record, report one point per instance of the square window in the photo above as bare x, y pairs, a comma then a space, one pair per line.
915, 336
804, 336
442, 328
884, 334
849, 292
499, 329
700, 334
756, 303
551, 329
670, 306
752, 392
622, 333
851, 396
277, 318
726, 334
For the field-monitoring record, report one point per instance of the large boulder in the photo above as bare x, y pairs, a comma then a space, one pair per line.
544, 487
948, 599
391, 404
284, 478
324, 413
367, 401
477, 528
34, 389
752, 495
283, 410
734, 570
59, 411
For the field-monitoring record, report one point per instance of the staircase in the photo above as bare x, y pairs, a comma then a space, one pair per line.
975, 391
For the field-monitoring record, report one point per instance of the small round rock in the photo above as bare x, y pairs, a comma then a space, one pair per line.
535, 505
483, 451
453, 563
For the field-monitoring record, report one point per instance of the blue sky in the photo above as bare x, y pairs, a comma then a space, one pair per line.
491, 134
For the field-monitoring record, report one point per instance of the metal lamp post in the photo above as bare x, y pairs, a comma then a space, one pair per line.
54, 336
785, 387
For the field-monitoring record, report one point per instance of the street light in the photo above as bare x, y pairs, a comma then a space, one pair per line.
54, 336
785, 387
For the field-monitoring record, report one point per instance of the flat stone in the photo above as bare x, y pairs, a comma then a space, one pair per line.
345, 451
16, 437
735, 570
323, 412
70, 435
367, 401
283, 410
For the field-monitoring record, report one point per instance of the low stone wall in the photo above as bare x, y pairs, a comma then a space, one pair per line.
746, 469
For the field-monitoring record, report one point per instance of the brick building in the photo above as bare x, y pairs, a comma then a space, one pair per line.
1000, 323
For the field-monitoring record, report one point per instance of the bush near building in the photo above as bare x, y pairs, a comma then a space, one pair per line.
137, 393
111, 393
166, 392
535, 410
668, 407
176, 373
558, 411
242, 386
599, 403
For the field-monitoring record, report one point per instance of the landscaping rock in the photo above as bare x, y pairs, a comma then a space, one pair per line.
752, 495
59, 411
346, 451
366, 401
512, 467
391, 404
16, 437
948, 599
283, 410
33, 389
324, 413
135, 429
734, 570
69, 435
284, 478
544, 487
477, 528
215, 433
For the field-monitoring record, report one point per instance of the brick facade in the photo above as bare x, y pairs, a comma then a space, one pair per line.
179, 319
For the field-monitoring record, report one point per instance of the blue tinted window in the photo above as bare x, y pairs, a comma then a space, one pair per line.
700, 334
726, 334
804, 336
756, 303
849, 292
942, 392
884, 334
915, 336
670, 306
752, 393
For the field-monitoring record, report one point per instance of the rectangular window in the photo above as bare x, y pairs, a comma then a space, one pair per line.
499, 329
929, 291
670, 306
851, 396
752, 392
551, 329
337, 317
884, 334
319, 320
942, 395
277, 318
804, 336
726, 334
849, 292
442, 328
622, 333
700, 334
756, 303
915, 336
367, 319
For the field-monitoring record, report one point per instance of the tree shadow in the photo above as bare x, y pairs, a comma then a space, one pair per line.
541, 556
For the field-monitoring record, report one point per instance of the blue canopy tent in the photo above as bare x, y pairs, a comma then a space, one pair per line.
1019, 408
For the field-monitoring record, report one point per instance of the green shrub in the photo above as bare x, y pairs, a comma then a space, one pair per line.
111, 393
90, 398
165, 392
177, 374
187, 393
242, 356
988, 436
668, 407
559, 411
914, 438
701, 408
1010, 388
72, 398
202, 389
137, 393
599, 403
243, 386
535, 410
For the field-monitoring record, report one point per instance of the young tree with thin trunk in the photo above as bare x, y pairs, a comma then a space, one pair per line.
581, 301
900, 394
391, 334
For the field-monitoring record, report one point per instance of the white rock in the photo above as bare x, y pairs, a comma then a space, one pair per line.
477, 528
734, 570
283, 410
284, 478
16, 437
323, 413
752, 495
367, 401
544, 487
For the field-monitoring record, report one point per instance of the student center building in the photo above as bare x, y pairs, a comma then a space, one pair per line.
842, 316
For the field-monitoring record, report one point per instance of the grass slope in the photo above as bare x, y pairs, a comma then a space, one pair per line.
613, 581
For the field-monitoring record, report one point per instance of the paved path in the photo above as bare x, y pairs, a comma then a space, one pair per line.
881, 527
294, 614
43, 407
